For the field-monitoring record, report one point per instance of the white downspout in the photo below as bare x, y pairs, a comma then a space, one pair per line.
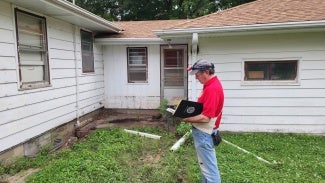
76, 73
195, 40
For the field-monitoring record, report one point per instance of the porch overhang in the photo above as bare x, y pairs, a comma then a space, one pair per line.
287, 27
68, 12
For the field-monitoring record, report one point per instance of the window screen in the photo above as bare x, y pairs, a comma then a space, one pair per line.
137, 64
87, 51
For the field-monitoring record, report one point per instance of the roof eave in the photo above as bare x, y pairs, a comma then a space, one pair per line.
128, 41
66, 11
100, 22
245, 29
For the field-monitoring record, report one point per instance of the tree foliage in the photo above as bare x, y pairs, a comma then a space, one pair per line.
127, 10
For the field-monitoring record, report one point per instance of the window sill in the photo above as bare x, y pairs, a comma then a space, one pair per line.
138, 83
271, 83
32, 86
88, 73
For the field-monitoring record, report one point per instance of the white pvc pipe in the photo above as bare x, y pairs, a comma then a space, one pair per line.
180, 141
244, 150
143, 134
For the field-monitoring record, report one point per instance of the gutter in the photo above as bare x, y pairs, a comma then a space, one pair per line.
66, 5
241, 29
123, 41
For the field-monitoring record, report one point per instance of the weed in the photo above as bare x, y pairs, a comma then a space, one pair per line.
182, 128
162, 108
115, 156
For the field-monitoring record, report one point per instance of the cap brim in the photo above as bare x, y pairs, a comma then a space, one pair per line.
193, 72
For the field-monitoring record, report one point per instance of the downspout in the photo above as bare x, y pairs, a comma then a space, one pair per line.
195, 40
76, 73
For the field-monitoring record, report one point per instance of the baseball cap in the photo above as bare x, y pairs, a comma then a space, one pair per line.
200, 65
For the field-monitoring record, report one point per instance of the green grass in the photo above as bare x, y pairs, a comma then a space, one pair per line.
115, 156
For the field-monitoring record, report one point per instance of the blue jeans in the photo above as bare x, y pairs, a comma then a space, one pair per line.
206, 155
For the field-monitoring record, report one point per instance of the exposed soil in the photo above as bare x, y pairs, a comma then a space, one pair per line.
134, 119
20, 177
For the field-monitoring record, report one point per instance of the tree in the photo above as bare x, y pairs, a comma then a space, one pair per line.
107, 9
225, 4
127, 10
144, 9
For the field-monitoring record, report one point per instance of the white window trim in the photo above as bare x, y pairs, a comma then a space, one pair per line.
295, 82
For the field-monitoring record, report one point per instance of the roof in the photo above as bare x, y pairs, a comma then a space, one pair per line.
68, 12
142, 29
261, 12
276, 15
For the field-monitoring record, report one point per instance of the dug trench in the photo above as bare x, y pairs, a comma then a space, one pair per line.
126, 119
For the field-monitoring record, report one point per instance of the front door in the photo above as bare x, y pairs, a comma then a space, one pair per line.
173, 72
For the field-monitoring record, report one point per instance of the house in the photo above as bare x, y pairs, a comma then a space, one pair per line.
51, 71
133, 58
59, 64
269, 55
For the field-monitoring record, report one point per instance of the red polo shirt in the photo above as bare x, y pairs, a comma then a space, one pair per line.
212, 98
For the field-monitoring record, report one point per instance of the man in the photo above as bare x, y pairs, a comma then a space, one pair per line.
208, 121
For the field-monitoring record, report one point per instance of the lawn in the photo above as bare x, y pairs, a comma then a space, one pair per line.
112, 155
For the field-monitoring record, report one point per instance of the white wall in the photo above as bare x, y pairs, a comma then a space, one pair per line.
28, 113
121, 94
272, 107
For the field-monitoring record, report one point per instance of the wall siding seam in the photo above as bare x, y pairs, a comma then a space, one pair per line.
35, 114
26, 92
40, 124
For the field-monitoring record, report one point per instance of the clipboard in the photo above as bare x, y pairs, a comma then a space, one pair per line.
186, 109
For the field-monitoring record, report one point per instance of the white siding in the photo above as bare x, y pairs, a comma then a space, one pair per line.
121, 94
25, 114
291, 107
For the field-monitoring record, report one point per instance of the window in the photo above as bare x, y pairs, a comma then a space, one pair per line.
32, 50
87, 51
137, 65
271, 70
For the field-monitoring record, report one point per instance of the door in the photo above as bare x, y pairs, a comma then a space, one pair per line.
174, 72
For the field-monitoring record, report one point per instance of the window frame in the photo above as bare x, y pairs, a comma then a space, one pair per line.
42, 49
295, 81
130, 80
87, 55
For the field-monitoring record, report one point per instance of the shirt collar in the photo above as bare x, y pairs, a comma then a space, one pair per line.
210, 81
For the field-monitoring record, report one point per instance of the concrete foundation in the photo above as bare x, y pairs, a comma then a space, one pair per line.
52, 139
